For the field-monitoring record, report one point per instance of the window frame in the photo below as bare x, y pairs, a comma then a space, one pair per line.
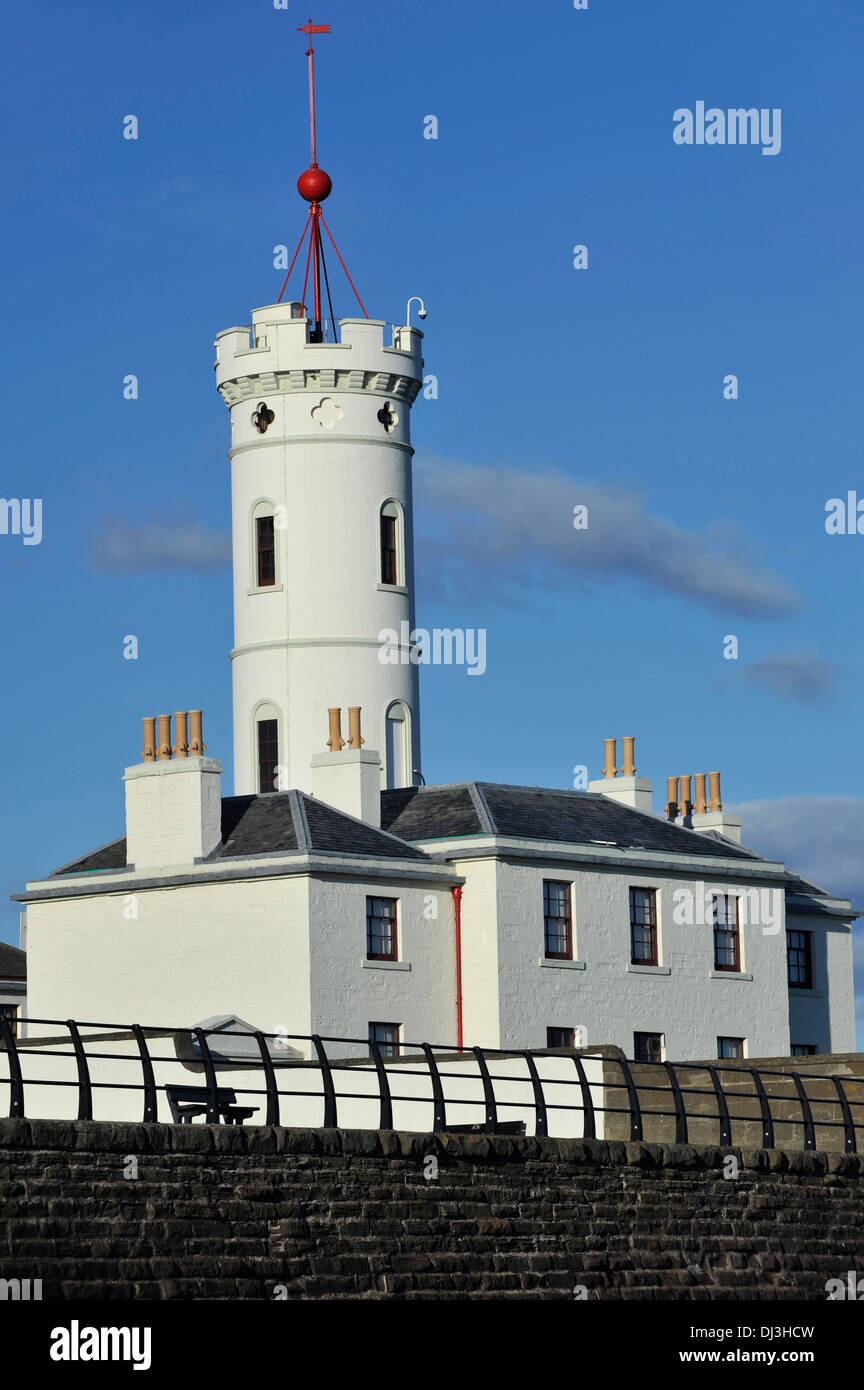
391, 510
724, 930
806, 983
259, 762
803, 1050
571, 1032
567, 953
387, 1047
737, 1056
392, 936
262, 552
654, 934
11, 1011
661, 1046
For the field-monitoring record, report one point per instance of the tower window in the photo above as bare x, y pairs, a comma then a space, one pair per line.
396, 746
389, 550
268, 754
731, 1048
560, 1037
265, 551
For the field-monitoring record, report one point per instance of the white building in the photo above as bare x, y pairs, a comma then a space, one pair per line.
332, 894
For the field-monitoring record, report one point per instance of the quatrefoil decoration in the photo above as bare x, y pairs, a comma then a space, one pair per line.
387, 417
326, 413
263, 417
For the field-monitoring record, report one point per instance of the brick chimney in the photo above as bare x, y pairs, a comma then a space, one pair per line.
173, 804
348, 778
627, 788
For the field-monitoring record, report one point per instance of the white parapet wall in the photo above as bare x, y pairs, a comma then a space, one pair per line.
50, 1084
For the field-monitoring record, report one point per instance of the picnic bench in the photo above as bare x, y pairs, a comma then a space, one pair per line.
185, 1102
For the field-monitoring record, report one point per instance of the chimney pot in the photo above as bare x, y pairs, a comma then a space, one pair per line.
164, 745
671, 798
181, 742
609, 768
686, 799
354, 739
335, 742
148, 754
699, 803
714, 802
628, 766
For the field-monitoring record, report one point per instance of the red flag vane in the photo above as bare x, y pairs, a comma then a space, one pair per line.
314, 185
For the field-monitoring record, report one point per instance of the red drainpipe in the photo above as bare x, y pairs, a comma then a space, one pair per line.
457, 922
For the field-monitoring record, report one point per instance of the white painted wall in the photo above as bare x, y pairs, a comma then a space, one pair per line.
825, 1015
194, 951
349, 992
409, 1081
682, 999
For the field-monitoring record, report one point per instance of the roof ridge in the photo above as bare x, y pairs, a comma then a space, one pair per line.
481, 806
301, 824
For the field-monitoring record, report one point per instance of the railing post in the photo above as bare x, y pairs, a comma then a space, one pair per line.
541, 1124
722, 1108
150, 1113
488, 1093
846, 1111
632, 1100
806, 1112
680, 1111
326, 1082
16, 1080
209, 1077
589, 1128
439, 1109
85, 1093
765, 1109
269, 1079
385, 1119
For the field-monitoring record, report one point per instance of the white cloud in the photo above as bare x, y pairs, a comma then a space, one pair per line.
158, 545
517, 525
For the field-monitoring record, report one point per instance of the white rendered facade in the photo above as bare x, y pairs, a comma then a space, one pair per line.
326, 468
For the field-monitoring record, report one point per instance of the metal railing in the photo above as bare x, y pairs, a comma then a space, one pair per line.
700, 1101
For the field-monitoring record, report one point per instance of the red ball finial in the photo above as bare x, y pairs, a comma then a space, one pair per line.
314, 185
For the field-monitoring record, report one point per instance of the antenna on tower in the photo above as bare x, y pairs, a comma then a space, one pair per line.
315, 185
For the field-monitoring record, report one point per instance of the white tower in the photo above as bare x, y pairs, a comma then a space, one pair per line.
322, 540
322, 524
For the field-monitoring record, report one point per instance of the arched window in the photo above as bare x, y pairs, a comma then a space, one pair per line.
263, 545
391, 568
266, 730
397, 746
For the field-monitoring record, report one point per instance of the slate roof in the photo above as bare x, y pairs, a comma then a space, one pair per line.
540, 813
277, 823
294, 822
13, 963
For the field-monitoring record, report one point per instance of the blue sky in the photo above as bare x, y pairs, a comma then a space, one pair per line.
555, 129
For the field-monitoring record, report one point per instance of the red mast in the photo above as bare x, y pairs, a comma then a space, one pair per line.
315, 185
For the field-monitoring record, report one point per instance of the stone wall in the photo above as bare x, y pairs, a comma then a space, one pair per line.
218, 1212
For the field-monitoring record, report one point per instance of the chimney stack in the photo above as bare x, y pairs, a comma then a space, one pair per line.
173, 805
349, 779
696, 816
628, 789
